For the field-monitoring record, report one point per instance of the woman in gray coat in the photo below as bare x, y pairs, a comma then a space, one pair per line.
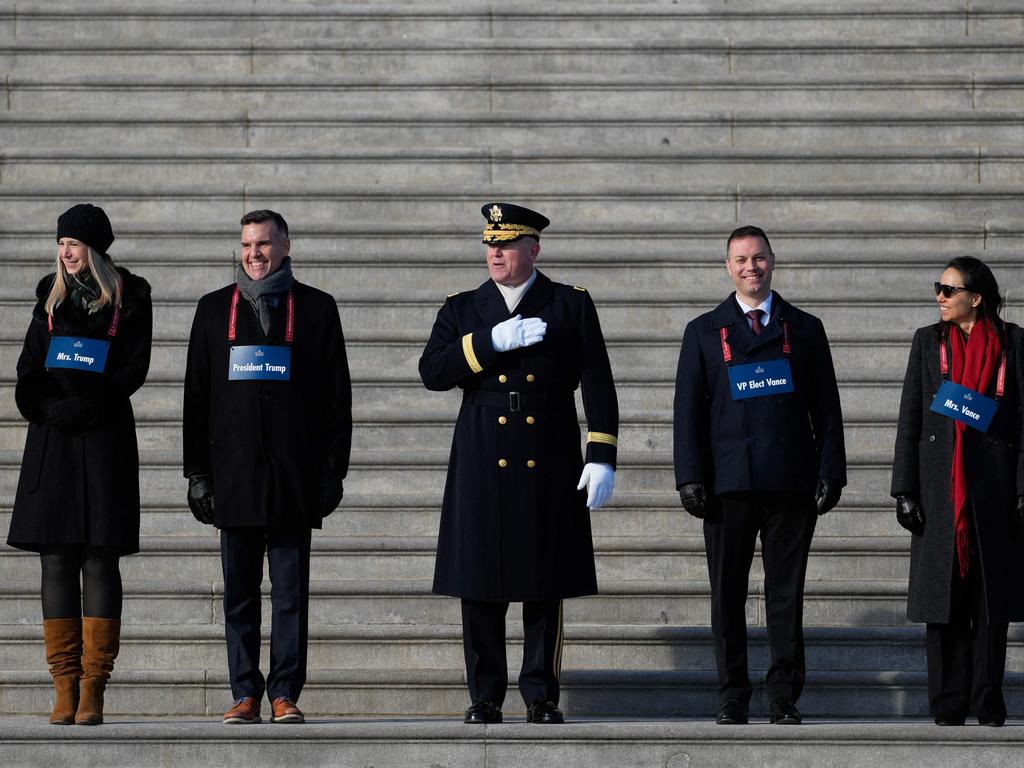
959, 489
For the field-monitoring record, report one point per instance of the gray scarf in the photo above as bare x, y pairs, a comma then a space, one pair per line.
262, 294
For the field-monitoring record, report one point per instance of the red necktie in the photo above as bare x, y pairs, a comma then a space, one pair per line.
755, 320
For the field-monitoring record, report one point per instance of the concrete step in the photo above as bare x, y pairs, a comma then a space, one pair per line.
611, 56
324, 129
404, 91
196, 21
407, 557
587, 646
860, 602
403, 741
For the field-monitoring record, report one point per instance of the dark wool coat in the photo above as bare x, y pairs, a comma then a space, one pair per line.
267, 444
517, 531
994, 464
83, 488
782, 442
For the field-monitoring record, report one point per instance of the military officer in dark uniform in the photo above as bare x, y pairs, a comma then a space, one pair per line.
515, 525
267, 434
758, 450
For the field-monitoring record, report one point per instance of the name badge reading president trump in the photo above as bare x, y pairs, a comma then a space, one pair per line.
259, 363
966, 405
771, 377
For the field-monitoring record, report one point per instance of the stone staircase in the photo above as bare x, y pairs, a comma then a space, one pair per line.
871, 140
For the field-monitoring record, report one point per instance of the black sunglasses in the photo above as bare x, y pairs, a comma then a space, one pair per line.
948, 291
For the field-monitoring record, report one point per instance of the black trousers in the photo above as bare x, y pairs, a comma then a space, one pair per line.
785, 523
483, 641
967, 656
241, 553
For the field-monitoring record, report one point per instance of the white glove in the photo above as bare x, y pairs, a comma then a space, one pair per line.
599, 480
516, 332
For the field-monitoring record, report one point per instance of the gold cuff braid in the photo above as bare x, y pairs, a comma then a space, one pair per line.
467, 350
602, 437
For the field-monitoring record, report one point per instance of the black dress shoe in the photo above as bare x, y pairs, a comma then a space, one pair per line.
483, 712
994, 722
544, 712
948, 719
784, 712
732, 713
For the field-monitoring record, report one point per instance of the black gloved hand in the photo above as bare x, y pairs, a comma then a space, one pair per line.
200, 498
1017, 518
694, 499
70, 415
910, 515
826, 495
332, 490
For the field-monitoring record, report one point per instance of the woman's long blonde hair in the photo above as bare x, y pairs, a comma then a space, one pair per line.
107, 278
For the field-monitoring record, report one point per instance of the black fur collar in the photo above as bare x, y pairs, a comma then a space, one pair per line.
135, 292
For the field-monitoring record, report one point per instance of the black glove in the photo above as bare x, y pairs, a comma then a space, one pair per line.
694, 498
1017, 518
332, 489
70, 415
910, 515
826, 495
200, 498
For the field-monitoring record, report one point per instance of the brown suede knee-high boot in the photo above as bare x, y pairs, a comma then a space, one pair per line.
63, 641
101, 640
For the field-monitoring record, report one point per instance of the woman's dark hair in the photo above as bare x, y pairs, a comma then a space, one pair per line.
978, 278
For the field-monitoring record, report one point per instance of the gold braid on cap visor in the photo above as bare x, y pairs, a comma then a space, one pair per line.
502, 233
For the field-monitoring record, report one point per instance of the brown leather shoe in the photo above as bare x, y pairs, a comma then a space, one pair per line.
245, 711
285, 711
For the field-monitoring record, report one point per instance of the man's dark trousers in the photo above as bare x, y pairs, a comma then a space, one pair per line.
785, 522
287, 550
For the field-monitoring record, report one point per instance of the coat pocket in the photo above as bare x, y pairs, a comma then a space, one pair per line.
32, 461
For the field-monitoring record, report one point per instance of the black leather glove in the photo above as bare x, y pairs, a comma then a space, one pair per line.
910, 515
826, 495
70, 415
1017, 518
332, 490
694, 499
200, 498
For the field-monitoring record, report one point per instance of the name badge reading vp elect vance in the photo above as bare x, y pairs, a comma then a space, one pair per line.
771, 377
259, 363
80, 354
966, 405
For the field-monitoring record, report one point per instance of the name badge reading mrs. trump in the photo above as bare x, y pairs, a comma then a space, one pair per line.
259, 363
771, 377
80, 354
966, 405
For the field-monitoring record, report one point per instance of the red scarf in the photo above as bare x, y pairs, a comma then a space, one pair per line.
974, 364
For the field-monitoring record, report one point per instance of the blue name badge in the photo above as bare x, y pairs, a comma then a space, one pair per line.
257, 363
966, 405
771, 377
80, 354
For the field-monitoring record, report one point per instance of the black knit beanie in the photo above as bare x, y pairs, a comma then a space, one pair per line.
87, 223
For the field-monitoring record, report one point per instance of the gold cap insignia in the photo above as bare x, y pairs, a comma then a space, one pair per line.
495, 213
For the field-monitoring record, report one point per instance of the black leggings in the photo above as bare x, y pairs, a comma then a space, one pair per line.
80, 580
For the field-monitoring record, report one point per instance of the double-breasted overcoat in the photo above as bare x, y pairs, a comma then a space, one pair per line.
82, 488
267, 444
513, 525
994, 464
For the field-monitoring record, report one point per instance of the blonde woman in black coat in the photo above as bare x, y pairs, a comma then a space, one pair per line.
86, 351
959, 490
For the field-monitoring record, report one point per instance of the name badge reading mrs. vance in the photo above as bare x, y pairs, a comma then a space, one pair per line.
255, 362
80, 354
771, 377
963, 404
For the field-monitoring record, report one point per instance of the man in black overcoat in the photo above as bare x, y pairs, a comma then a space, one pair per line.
515, 525
760, 453
268, 430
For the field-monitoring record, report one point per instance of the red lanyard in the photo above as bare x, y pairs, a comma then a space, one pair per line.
289, 328
111, 331
727, 350
1000, 375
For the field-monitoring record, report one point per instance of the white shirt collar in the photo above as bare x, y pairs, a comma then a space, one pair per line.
514, 295
765, 306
